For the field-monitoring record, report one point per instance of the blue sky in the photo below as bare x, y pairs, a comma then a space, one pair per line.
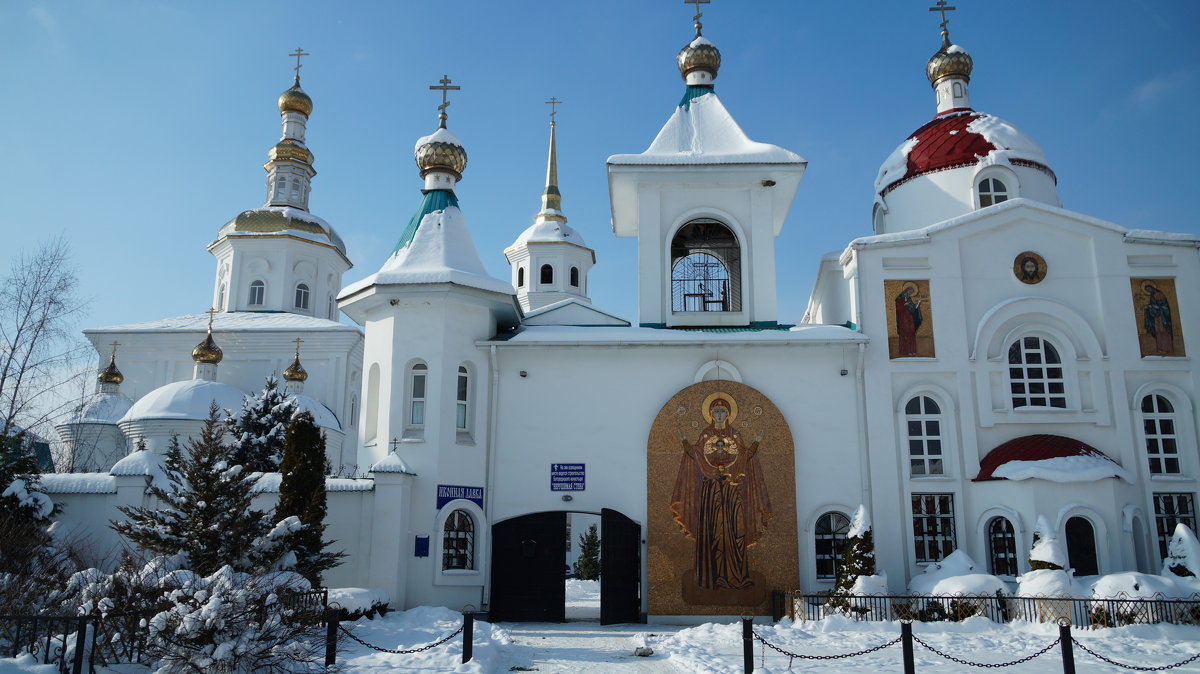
136, 129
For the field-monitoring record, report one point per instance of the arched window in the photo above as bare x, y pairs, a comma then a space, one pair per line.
353, 410
416, 400
330, 310
1002, 547
302, 296
221, 297
546, 275
574, 277
520, 277
1081, 547
1035, 374
258, 293
295, 187
281, 187
1158, 424
992, 191
830, 540
706, 268
458, 541
924, 421
461, 398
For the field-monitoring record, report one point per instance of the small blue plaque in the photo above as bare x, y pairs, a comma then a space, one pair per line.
567, 477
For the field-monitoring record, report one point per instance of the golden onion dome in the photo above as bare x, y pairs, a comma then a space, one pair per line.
290, 148
440, 151
207, 351
110, 374
949, 61
295, 371
295, 100
699, 54
269, 220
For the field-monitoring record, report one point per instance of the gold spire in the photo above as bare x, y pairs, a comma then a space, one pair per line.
296, 371
110, 374
208, 351
551, 197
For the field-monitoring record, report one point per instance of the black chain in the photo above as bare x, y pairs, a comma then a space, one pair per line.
435, 644
772, 646
1096, 655
988, 664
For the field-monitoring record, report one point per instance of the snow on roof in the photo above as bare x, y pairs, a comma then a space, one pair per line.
549, 231
226, 321
565, 334
441, 251
268, 483
78, 483
703, 132
102, 408
1049, 457
143, 463
322, 415
440, 136
391, 463
1153, 235
189, 399
578, 306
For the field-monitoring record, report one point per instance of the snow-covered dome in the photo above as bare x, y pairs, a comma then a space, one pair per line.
189, 400
440, 151
699, 54
549, 231
282, 219
103, 408
322, 415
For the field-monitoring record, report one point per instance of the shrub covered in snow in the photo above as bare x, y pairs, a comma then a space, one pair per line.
1048, 552
1183, 554
856, 575
957, 576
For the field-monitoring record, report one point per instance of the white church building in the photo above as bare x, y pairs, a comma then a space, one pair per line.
982, 357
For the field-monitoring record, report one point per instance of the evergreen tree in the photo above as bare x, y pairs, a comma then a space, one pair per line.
858, 559
25, 511
302, 495
258, 429
588, 565
204, 510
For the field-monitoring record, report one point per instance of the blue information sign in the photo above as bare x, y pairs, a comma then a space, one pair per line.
566, 477
449, 492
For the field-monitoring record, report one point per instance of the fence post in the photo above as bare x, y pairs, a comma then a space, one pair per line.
748, 644
80, 642
468, 632
906, 645
1065, 645
331, 627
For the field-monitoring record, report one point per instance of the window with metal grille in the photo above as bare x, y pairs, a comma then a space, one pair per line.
458, 541
924, 420
992, 191
706, 264
460, 407
1158, 424
258, 293
1002, 547
302, 296
933, 526
416, 407
830, 540
1171, 510
1035, 374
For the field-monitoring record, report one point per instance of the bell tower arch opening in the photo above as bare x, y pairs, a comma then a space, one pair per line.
706, 268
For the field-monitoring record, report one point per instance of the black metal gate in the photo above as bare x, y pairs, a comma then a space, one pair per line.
620, 567
528, 569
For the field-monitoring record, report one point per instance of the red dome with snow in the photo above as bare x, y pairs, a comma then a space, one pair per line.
955, 138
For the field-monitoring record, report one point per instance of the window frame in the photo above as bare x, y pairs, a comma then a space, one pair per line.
458, 541
942, 531
986, 191
546, 275
1046, 381
1155, 441
1002, 562
1166, 519
417, 371
257, 287
715, 292
462, 400
520, 277
924, 439
834, 540
573, 279
302, 296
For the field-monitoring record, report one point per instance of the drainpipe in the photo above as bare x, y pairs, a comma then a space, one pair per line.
864, 456
490, 468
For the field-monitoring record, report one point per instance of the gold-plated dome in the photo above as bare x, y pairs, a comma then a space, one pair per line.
110, 374
295, 100
295, 371
437, 155
207, 351
290, 148
699, 54
949, 61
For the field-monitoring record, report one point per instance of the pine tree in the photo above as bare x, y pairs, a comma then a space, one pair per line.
25, 511
204, 510
858, 559
259, 427
302, 495
588, 566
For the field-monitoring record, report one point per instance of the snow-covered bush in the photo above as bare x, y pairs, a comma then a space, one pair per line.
1183, 554
1048, 552
856, 576
971, 592
357, 602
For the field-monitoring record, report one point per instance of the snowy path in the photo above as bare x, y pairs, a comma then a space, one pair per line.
580, 647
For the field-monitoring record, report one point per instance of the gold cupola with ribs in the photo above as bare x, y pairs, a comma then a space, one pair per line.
440, 156
699, 60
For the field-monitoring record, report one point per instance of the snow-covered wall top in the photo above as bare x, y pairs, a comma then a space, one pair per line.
564, 334
233, 320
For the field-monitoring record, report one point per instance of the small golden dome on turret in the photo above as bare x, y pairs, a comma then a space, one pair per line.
441, 151
295, 100
207, 351
290, 148
949, 61
295, 371
110, 374
699, 54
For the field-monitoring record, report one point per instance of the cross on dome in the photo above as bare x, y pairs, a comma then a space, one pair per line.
114, 346
212, 311
696, 18
553, 103
298, 53
943, 7
298, 342
444, 86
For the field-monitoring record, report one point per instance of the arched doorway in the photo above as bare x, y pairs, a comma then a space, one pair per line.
529, 571
1081, 547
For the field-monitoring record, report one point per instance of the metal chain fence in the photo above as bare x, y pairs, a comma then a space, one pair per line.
419, 649
960, 661
1137, 668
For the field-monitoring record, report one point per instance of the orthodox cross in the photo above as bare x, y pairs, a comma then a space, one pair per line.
943, 8
298, 342
444, 87
553, 103
212, 311
298, 53
696, 18
394, 443
114, 346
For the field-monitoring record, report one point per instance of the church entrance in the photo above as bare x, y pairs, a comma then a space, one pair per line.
529, 569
